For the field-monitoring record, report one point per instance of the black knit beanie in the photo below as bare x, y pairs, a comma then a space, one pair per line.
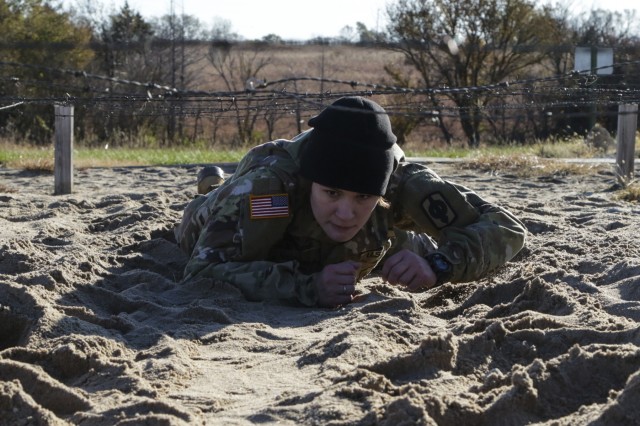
351, 147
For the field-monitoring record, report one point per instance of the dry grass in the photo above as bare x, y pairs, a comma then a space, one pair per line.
630, 193
340, 62
526, 166
348, 63
45, 165
530, 166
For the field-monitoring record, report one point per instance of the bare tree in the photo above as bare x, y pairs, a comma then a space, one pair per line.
124, 38
239, 68
468, 44
595, 28
181, 61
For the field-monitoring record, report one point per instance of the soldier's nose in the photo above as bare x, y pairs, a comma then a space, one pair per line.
345, 211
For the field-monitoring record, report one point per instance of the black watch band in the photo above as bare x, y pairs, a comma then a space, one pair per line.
440, 266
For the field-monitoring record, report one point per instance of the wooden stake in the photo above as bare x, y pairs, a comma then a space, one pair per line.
627, 126
63, 165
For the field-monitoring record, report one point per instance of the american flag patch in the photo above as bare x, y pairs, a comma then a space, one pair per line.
269, 206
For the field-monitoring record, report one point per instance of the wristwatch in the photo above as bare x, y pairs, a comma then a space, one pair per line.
440, 266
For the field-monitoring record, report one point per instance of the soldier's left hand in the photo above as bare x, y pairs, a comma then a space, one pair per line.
408, 269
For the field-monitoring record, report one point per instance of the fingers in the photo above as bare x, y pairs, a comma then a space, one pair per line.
408, 269
345, 273
398, 269
342, 281
345, 268
389, 265
415, 283
336, 283
336, 295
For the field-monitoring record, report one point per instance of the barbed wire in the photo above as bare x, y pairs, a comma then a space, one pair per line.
418, 110
580, 90
11, 106
584, 78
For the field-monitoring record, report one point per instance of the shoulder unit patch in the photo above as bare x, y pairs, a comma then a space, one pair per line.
438, 210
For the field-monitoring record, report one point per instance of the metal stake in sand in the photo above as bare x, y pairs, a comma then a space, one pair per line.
63, 164
627, 126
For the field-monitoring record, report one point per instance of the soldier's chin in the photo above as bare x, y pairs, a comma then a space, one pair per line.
340, 234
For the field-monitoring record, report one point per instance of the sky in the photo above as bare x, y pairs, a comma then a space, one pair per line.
297, 19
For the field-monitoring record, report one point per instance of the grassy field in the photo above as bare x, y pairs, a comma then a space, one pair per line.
35, 158
540, 159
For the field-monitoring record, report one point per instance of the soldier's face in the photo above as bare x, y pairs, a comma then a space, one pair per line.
340, 213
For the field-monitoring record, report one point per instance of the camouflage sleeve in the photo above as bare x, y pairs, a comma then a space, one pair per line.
418, 242
235, 242
475, 235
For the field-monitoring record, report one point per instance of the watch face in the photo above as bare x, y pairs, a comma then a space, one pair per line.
441, 264
441, 267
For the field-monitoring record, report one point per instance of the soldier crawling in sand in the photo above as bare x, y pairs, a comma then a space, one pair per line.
306, 219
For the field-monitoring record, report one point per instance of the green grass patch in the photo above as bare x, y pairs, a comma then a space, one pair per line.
573, 148
154, 157
35, 158
510, 158
522, 161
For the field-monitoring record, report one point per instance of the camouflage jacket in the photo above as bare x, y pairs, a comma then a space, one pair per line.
257, 232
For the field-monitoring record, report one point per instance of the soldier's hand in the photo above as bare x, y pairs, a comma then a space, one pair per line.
336, 284
408, 269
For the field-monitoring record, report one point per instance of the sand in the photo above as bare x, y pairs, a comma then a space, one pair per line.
96, 330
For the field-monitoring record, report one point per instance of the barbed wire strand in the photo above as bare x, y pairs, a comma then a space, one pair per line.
258, 95
11, 106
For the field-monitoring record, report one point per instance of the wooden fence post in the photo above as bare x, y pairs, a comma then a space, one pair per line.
627, 126
63, 164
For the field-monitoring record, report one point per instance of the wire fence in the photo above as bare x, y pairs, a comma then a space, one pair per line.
571, 95
583, 85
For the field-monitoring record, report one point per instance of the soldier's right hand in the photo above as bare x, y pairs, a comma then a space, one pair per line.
336, 284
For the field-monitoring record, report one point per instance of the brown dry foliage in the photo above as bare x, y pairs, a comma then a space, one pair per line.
526, 166
353, 64
630, 193
341, 62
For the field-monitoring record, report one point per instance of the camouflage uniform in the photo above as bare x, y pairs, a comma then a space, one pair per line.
280, 255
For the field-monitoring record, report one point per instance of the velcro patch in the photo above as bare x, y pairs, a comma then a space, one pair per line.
438, 210
269, 206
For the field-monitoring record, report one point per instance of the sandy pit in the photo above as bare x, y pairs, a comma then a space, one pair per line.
96, 330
